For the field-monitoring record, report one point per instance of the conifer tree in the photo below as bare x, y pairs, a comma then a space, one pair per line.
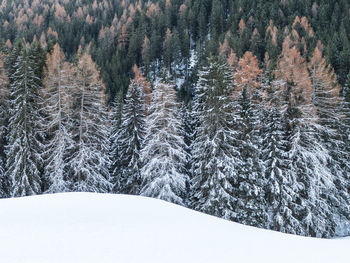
343, 159
10, 62
24, 148
310, 176
249, 183
326, 100
187, 133
89, 160
115, 125
130, 137
163, 155
278, 189
213, 155
3, 123
58, 86
248, 188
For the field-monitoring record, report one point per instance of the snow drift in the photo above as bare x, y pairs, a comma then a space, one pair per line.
99, 228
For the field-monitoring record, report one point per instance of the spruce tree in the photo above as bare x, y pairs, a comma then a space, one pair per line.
4, 99
130, 138
249, 183
115, 124
279, 189
89, 160
163, 155
188, 135
343, 158
213, 154
24, 148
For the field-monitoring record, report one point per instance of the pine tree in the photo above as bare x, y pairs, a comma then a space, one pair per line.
187, 134
248, 188
213, 155
10, 62
3, 123
343, 159
89, 160
130, 138
115, 120
249, 183
24, 148
163, 155
58, 85
279, 189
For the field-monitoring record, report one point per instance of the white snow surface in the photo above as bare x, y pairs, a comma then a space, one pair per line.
100, 228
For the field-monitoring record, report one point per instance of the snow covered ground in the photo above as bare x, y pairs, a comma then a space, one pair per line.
97, 228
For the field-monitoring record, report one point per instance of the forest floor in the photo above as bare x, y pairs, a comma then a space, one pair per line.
101, 228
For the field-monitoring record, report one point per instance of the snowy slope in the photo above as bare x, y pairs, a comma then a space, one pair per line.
97, 228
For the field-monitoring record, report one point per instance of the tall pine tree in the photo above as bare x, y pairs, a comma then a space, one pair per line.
115, 125
213, 155
3, 123
279, 188
163, 155
130, 137
249, 183
24, 148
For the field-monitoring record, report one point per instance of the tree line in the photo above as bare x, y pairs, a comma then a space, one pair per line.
127, 32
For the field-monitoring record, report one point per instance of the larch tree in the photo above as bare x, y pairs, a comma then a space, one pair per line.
24, 149
131, 135
57, 90
326, 99
247, 74
343, 159
163, 154
310, 176
89, 159
213, 154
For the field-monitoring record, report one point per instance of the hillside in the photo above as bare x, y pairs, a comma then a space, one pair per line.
150, 33
82, 227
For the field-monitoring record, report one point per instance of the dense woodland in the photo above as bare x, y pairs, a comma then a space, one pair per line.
239, 109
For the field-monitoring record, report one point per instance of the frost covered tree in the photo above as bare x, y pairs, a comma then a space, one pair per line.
3, 123
24, 148
163, 155
249, 181
58, 86
89, 160
342, 181
248, 187
130, 137
279, 189
115, 124
326, 100
213, 154
187, 131
310, 176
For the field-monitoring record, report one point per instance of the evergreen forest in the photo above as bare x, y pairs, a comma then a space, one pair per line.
236, 108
